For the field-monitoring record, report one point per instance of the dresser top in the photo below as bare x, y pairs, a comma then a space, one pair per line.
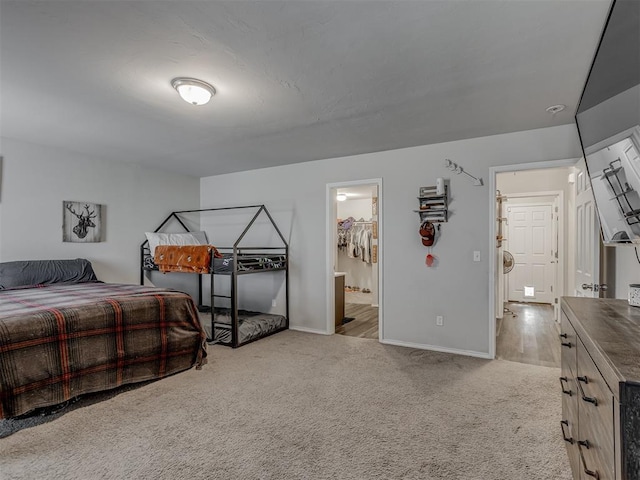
610, 329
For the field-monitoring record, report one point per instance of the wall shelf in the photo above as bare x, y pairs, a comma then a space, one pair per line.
432, 207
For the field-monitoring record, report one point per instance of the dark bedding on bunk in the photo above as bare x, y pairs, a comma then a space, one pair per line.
252, 325
225, 263
63, 340
248, 262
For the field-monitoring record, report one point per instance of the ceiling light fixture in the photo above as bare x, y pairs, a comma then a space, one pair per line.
553, 109
341, 197
193, 91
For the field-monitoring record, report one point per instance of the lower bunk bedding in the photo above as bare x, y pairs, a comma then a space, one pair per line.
62, 340
251, 325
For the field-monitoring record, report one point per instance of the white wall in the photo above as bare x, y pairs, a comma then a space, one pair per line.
35, 181
413, 294
627, 269
357, 208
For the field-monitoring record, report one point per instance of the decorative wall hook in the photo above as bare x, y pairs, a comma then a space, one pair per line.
454, 167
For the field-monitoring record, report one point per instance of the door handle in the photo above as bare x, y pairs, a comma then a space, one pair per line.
587, 286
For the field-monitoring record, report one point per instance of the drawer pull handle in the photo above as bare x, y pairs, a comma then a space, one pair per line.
566, 344
567, 392
563, 335
564, 435
591, 473
584, 397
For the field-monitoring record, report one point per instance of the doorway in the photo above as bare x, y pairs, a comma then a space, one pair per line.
354, 239
530, 260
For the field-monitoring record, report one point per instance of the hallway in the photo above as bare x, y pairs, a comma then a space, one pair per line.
529, 336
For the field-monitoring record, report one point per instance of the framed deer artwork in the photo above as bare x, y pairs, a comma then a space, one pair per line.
81, 222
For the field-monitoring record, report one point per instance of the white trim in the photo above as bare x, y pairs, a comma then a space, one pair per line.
493, 172
309, 330
433, 348
330, 255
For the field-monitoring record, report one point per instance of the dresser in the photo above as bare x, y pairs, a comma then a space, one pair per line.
600, 381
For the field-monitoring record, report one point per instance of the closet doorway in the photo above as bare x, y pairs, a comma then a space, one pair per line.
354, 236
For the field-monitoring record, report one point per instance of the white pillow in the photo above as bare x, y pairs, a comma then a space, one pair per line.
187, 238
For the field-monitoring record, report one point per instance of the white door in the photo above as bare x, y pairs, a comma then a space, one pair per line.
531, 243
587, 248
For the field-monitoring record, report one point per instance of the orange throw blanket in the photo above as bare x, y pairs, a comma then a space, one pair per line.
185, 258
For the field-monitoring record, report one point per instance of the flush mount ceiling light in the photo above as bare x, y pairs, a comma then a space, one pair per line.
193, 91
341, 197
553, 109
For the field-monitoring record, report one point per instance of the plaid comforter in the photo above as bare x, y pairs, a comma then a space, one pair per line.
60, 341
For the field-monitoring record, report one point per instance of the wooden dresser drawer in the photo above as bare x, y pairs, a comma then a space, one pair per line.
596, 429
569, 423
568, 343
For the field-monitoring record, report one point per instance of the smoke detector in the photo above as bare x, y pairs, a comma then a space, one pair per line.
553, 109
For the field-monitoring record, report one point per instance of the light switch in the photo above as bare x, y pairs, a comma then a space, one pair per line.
476, 255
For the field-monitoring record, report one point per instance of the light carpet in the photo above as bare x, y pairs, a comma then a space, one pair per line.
303, 406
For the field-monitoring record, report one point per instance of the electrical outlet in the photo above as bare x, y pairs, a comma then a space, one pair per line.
439, 320
274, 303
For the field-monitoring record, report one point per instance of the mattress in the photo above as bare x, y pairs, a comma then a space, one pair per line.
251, 326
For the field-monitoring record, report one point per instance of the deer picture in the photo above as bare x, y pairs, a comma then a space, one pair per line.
84, 221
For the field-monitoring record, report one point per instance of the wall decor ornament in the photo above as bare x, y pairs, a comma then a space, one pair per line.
81, 222
457, 169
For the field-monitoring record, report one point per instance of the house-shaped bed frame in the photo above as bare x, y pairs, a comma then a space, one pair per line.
234, 327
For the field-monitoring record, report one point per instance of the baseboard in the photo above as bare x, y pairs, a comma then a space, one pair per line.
309, 330
434, 348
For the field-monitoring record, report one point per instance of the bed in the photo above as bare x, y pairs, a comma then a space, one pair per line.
69, 334
191, 252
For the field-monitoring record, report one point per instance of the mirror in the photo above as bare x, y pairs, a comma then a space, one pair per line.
608, 120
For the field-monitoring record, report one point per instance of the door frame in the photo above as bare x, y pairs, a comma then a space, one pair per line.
331, 250
493, 172
558, 202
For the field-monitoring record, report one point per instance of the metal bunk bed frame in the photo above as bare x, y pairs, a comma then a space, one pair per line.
233, 274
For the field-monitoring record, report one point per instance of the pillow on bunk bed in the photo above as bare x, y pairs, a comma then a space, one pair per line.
186, 238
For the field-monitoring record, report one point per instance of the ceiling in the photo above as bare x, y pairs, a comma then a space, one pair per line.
296, 80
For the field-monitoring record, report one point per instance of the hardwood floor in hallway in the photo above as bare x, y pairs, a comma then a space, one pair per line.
529, 335
364, 323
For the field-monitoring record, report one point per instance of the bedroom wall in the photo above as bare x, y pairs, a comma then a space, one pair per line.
35, 181
413, 294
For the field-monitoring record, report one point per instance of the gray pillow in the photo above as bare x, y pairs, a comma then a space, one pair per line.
39, 272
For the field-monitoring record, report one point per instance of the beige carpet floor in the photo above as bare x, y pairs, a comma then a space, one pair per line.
303, 406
